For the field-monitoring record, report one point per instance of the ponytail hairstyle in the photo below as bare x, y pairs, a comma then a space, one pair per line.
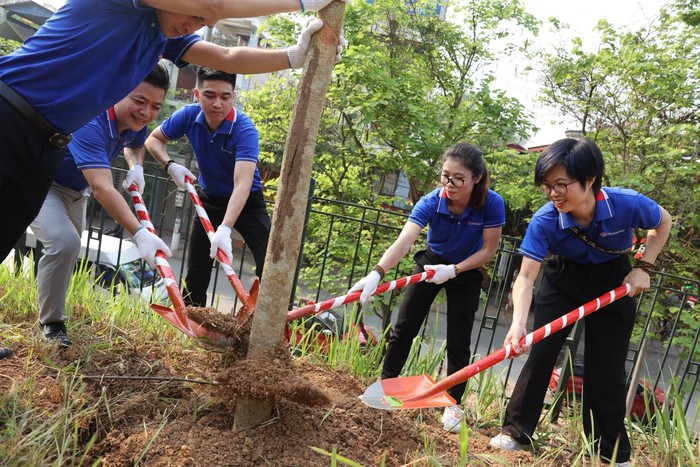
471, 158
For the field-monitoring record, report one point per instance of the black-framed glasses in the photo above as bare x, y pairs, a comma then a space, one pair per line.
559, 188
456, 182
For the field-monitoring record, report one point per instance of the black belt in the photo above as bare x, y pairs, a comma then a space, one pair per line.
47, 130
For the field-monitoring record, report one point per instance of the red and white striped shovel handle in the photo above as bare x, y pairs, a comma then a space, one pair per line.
243, 296
315, 308
164, 268
528, 340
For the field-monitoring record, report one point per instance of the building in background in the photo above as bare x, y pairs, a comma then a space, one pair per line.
21, 19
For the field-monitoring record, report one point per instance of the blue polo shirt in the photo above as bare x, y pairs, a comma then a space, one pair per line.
235, 140
617, 212
93, 147
87, 57
457, 238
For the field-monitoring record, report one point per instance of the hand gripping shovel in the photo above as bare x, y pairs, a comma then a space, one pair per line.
176, 317
248, 300
316, 308
420, 392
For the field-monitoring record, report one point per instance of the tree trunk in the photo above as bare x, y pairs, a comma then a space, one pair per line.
290, 208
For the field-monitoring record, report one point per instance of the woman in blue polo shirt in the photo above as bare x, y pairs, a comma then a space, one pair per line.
464, 220
589, 231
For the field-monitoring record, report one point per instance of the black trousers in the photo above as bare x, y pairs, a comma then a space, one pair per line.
254, 226
28, 163
566, 286
463, 294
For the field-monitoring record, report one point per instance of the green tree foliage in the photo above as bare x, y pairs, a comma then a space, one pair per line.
409, 86
7, 46
636, 96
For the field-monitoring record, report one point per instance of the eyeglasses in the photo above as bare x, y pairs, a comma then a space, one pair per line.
559, 188
456, 182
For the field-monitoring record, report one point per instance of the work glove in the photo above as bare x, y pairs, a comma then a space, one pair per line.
296, 54
314, 5
134, 175
368, 285
178, 173
443, 272
148, 243
222, 239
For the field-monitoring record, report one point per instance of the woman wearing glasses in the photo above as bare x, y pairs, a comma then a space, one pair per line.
589, 230
464, 220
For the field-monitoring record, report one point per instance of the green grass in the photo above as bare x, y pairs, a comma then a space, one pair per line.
64, 431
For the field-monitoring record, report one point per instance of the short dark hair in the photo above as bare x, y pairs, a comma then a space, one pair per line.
207, 74
158, 77
472, 158
581, 158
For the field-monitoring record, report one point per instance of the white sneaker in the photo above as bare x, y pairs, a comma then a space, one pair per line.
452, 418
622, 464
504, 441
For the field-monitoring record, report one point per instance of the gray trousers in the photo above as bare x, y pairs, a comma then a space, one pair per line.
58, 227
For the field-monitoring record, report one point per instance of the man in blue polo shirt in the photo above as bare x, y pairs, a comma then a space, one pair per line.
87, 57
225, 144
85, 168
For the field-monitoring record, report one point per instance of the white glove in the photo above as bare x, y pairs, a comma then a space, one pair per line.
148, 243
368, 285
443, 272
222, 239
134, 175
178, 173
297, 53
314, 5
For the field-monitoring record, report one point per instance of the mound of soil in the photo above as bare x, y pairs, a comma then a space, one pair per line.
175, 406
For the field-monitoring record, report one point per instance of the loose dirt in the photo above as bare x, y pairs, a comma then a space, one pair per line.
175, 406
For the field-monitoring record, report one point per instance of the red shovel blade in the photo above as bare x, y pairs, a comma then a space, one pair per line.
193, 328
245, 311
415, 392
395, 393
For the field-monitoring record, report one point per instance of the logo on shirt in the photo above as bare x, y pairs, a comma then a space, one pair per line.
610, 234
227, 151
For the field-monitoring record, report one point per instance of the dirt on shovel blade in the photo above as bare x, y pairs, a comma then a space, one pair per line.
236, 332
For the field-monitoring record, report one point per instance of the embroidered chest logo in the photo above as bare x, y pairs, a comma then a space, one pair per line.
610, 234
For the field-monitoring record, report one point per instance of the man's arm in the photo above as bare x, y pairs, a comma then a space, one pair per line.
242, 181
156, 145
237, 60
217, 9
103, 190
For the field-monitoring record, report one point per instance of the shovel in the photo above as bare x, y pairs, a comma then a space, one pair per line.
421, 392
176, 317
248, 300
316, 308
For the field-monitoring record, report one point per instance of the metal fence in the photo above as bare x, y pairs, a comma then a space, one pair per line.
341, 241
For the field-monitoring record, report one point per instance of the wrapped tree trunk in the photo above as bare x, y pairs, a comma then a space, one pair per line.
290, 208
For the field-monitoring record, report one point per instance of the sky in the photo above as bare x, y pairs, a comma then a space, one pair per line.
582, 17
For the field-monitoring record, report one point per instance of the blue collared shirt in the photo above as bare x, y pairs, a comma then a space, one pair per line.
235, 140
87, 57
94, 146
457, 238
617, 212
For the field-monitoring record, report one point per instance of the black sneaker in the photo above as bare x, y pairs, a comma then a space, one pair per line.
57, 332
4, 353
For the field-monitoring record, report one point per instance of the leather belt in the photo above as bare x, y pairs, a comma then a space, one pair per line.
47, 130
